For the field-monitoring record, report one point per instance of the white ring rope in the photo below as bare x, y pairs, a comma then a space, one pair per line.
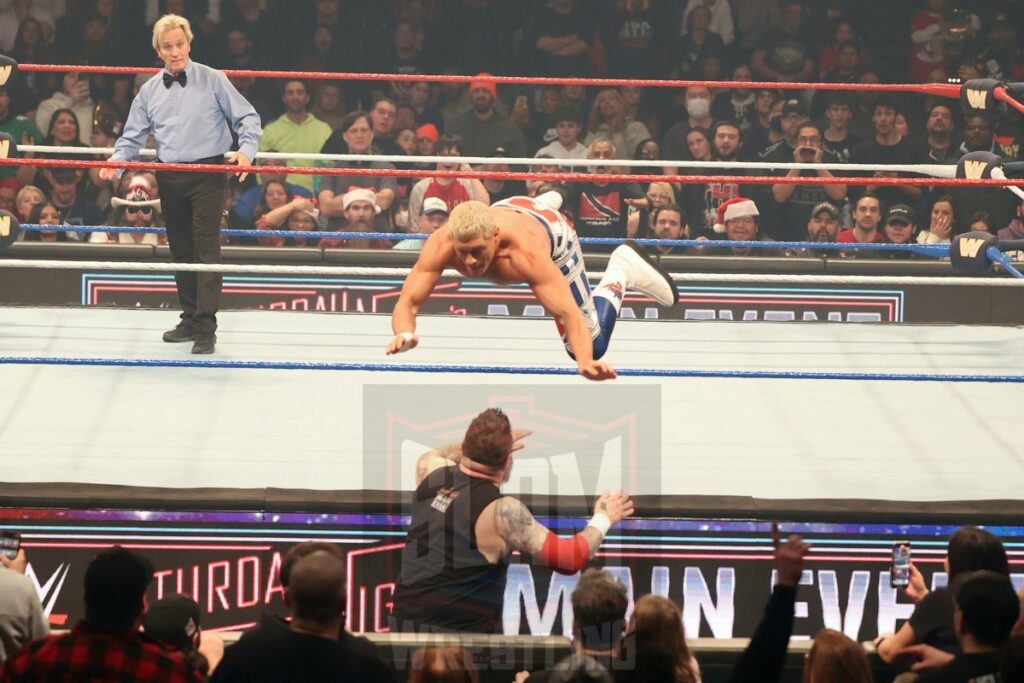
1000, 174
935, 170
401, 272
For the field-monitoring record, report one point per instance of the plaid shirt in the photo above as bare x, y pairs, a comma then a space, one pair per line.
92, 652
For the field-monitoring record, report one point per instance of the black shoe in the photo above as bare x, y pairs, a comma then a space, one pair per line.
182, 333
206, 342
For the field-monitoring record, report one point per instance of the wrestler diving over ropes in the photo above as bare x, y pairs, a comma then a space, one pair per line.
526, 240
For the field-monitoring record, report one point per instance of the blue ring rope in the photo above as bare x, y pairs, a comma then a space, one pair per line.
933, 250
503, 369
1000, 257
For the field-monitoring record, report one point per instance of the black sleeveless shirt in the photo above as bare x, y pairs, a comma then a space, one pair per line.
445, 583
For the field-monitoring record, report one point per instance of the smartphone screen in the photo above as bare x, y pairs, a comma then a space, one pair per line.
900, 571
10, 543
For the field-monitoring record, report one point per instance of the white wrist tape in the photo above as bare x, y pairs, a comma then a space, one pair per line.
406, 341
601, 522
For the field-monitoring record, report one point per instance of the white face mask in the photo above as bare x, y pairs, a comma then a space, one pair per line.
698, 108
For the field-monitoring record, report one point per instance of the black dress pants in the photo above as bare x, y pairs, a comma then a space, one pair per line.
192, 205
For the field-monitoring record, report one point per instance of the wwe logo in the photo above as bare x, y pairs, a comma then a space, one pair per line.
974, 170
969, 247
49, 592
978, 99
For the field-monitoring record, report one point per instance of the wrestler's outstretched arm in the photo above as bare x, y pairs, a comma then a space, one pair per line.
419, 283
553, 293
520, 531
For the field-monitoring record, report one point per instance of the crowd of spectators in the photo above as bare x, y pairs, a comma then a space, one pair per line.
768, 41
969, 630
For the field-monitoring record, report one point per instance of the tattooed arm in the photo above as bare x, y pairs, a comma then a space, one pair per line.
442, 456
520, 531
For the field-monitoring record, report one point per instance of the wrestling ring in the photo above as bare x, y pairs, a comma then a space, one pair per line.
772, 412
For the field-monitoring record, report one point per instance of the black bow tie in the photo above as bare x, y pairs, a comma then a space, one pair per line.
180, 78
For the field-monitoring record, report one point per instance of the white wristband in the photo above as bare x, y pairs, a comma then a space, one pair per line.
406, 341
601, 522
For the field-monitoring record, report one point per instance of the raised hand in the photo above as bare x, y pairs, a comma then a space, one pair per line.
18, 564
616, 505
916, 588
517, 439
789, 557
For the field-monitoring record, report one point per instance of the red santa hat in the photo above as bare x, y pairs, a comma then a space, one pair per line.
737, 207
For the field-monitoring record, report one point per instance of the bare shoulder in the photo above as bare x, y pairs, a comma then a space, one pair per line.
438, 251
512, 516
516, 525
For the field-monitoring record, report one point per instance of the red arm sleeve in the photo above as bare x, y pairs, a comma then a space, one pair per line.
564, 555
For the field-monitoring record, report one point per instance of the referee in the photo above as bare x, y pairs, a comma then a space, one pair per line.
191, 109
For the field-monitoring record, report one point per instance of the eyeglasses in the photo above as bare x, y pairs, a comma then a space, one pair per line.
144, 210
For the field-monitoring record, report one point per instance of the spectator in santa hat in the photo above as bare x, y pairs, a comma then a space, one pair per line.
738, 221
139, 208
359, 207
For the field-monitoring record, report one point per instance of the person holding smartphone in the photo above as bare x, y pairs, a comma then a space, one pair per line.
75, 94
899, 571
931, 624
21, 614
793, 203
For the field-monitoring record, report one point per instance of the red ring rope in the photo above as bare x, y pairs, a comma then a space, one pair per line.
511, 175
939, 89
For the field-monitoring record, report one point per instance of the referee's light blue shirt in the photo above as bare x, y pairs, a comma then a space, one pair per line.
192, 122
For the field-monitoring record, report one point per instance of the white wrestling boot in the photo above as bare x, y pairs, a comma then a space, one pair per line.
632, 266
550, 200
